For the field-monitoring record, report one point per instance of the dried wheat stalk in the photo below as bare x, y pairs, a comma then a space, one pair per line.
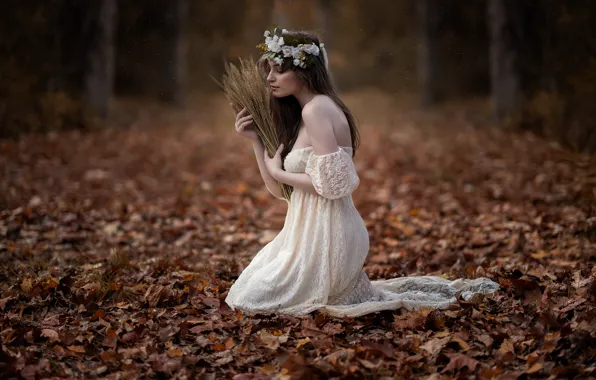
244, 86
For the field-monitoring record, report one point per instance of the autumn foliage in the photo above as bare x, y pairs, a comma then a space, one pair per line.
118, 248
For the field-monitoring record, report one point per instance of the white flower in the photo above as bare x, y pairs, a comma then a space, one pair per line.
274, 46
287, 50
275, 43
296, 52
311, 49
278, 50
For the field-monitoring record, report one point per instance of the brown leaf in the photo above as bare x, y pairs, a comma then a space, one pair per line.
434, 346
461, 343
99, 313
535, 368
507, 346
174, 352
110, 356
154, 294
79, 349
267, 369
333, 328
486, 339
572, 304
4, 301
303, 342
111, 338
219, 347
385, 349
435, 320
229, 343
458, 361
27, 285
370, 365
206, 326
270, 340
168, 332
52, 335
130, 337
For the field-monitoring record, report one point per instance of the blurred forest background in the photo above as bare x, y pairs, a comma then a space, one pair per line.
67, 62
129, 204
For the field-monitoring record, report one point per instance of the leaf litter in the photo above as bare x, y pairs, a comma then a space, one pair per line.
118, 248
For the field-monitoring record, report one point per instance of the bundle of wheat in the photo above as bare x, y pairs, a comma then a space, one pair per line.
245, 87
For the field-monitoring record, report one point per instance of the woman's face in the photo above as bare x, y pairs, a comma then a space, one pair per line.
282, 82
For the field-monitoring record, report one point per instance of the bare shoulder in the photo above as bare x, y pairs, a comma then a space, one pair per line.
318, 121
326, 124
320, 106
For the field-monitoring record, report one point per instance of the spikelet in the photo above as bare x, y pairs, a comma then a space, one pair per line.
244, 86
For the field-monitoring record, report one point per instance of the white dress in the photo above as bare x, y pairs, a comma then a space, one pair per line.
316, 261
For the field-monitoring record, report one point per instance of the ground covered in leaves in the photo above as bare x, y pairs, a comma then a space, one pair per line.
117, 249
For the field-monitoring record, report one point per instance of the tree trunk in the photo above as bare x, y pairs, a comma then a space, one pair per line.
504, 59
429, 60
99, 76
324, 20
280, 16
176, 44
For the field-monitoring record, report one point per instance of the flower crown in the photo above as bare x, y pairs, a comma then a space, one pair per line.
288, 50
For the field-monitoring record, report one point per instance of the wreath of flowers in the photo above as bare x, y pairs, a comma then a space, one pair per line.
284, 49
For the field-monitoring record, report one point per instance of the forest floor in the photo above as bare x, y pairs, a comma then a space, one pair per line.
118, 247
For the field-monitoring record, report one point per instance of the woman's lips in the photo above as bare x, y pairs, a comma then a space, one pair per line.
274, 88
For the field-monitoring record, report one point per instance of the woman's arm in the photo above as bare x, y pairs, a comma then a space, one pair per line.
300, 181
270, 182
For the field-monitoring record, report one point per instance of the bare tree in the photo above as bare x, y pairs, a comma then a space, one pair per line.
99, 76
280, 17
324, 20
176, 45
429, 59
505, 80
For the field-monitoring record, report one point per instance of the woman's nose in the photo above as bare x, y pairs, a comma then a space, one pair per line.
270, 78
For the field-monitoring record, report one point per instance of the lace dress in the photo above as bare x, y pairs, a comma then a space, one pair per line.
316, 260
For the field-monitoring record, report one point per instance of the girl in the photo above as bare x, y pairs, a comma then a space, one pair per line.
316, 261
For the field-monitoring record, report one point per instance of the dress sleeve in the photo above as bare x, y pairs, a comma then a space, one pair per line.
333, 175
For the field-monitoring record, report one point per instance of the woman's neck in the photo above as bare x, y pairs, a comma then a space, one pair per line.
304, 97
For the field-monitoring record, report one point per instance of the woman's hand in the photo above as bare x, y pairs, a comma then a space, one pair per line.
244, 125
274, 164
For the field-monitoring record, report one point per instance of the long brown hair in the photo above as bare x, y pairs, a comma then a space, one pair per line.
287, 112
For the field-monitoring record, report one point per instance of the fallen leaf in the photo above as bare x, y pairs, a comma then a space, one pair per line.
270, 340
52, 335
435, 345
79, 349
459, 361
174, 352
535, 368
